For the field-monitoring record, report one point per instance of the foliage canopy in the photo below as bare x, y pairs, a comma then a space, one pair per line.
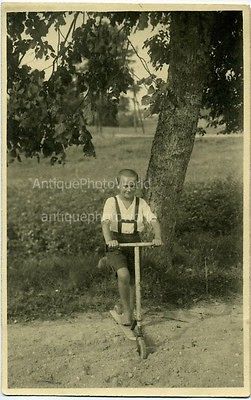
91, 66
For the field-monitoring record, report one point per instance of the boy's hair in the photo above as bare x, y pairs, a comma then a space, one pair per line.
129, 173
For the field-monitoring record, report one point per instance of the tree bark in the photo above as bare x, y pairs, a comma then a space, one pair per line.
174, 138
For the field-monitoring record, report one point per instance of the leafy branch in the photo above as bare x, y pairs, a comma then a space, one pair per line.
63, 45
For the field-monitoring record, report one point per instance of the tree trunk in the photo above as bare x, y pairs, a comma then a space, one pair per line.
174, 138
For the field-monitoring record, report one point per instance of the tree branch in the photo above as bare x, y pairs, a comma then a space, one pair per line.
58, 46
142, 60
19, 62
82, 100
136, 76
64, 43
61, 33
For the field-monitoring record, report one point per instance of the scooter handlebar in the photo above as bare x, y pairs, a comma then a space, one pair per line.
137, 244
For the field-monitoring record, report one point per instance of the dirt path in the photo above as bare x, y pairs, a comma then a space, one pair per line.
200, 347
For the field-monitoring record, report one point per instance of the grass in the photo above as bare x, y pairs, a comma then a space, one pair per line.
211, 159
52, 266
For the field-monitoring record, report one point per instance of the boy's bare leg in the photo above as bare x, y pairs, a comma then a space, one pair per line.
124, 292
102, 262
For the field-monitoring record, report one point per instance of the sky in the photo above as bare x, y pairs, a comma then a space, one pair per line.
136, 38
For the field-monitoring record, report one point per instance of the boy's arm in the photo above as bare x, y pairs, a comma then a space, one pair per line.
157, 232
107, 234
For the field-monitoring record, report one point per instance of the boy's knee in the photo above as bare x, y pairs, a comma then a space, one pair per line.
123, 275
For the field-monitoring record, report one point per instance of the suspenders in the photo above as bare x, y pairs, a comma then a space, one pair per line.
120, 220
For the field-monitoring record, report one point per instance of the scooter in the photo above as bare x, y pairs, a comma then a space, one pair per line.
135, 332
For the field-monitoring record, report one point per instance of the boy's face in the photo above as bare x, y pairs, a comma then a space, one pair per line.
127, 187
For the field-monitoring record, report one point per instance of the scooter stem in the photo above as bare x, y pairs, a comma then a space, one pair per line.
137, 286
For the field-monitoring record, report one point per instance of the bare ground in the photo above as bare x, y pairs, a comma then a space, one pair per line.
198, 347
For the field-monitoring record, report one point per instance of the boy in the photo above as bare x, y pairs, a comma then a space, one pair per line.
122, 221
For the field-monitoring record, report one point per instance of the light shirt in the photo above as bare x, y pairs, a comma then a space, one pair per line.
110, 213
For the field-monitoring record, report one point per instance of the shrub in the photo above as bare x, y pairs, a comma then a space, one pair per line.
215, 207
185, 284
32, 236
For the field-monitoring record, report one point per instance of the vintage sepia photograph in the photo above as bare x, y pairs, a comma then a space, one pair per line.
126, 196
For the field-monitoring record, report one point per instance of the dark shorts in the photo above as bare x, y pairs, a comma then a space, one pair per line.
123, 257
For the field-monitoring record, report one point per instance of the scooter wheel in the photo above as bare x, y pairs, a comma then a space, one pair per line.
142, 348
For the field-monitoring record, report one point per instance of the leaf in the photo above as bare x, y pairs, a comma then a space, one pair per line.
151, 90
53, 160
61, 20
33, 44
42, 29
143, 21
87, 114
33, 89
145, 100
40, 53
149, 79
49, 47
200, 131
59, 128
147, 112
25, 123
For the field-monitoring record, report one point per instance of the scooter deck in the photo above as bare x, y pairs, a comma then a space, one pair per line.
126, 329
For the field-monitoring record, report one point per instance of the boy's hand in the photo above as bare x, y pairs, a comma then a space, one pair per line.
157, 242
112, 243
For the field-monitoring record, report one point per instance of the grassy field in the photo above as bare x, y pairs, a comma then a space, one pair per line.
52, 266
212, 158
